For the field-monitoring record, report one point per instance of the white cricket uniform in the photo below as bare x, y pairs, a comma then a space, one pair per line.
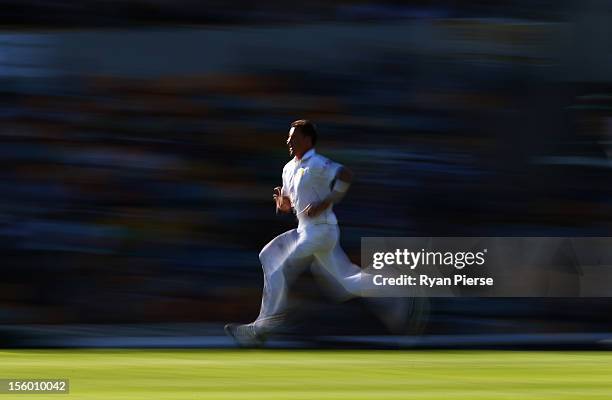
314, 243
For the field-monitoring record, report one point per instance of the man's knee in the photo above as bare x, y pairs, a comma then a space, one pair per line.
267, 250
262, 253
270, 256
277, 247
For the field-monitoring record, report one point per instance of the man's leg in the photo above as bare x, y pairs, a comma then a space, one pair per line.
275, 259
394, 312
282, 260
338, 274
337, 268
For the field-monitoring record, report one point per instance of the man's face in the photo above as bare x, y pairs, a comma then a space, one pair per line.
297, 142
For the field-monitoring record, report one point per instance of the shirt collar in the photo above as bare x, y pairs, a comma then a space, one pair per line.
307, 155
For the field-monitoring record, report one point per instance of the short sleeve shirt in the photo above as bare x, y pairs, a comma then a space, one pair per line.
307, 181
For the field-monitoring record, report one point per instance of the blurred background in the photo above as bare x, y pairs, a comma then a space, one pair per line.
141, 140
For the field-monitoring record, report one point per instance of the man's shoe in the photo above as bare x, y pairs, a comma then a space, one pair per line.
244, 335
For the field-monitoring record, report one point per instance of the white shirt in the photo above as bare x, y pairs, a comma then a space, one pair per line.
307, 181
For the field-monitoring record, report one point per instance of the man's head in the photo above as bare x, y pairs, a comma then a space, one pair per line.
302, 137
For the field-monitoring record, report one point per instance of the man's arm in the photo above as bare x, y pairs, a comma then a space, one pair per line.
344, 178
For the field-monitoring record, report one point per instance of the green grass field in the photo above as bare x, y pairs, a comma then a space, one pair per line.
294, 375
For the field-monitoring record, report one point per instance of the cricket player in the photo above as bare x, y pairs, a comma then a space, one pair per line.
312, 185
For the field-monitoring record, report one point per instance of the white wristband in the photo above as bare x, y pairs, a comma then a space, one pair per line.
338, 191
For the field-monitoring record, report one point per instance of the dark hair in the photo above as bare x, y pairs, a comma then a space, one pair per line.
307, 128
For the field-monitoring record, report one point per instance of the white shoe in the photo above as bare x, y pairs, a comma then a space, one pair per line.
244, 334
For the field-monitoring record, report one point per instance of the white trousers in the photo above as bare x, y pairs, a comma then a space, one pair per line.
289, 254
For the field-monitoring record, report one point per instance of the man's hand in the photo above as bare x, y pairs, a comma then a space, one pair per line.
314, 209
283, 204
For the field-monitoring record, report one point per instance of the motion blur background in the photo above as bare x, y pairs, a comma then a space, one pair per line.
141, 141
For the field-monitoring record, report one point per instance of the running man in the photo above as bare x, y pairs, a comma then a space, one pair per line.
312, 184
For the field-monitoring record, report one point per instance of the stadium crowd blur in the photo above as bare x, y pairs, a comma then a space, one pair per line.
131, 198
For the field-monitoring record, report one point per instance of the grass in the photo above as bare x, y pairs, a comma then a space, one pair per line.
296, 375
